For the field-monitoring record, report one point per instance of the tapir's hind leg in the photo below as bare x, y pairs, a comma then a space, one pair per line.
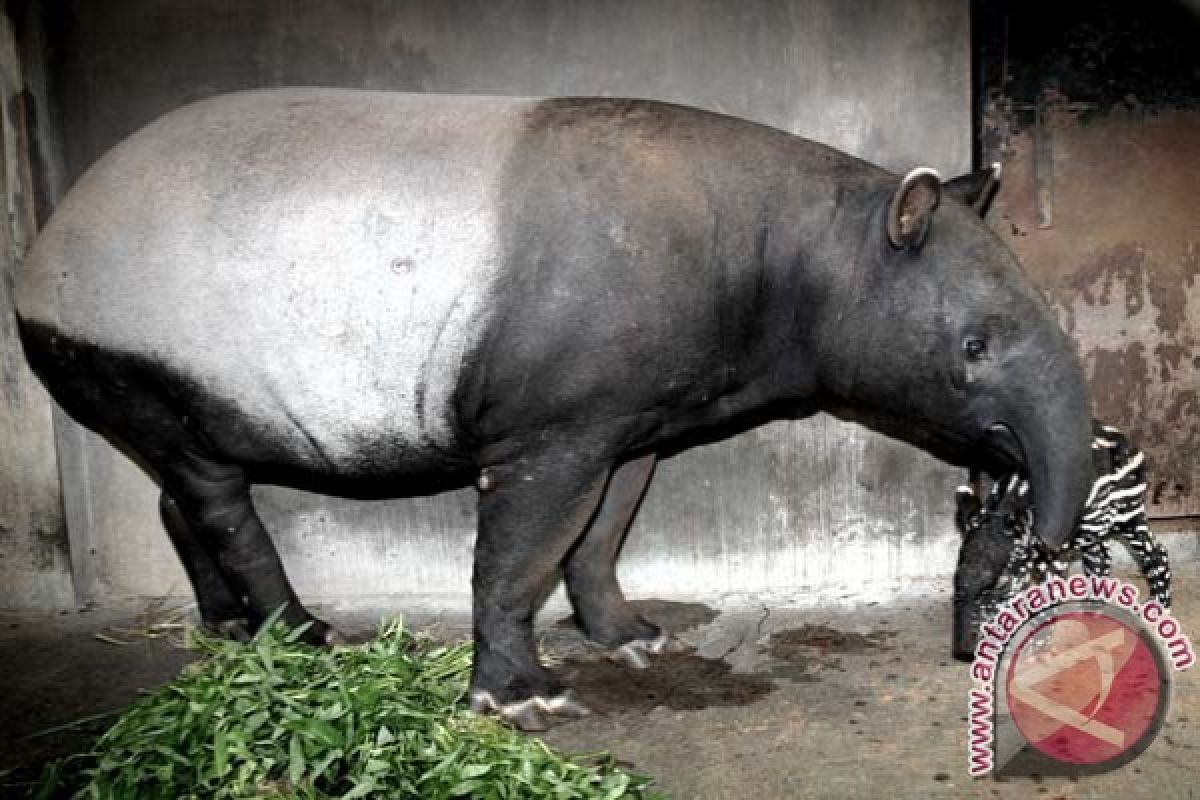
533, 511
206, 506
221, 610
601, 609
214, 501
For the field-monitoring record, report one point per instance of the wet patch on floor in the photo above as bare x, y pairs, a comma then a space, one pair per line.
670, 616
678, 681
801, 654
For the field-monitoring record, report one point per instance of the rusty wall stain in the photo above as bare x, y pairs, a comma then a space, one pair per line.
1121, 267
1118, 379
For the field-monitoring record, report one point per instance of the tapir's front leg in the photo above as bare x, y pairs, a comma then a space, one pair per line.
531, 511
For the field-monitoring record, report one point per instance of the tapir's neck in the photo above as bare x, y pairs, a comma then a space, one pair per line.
789, 281
810, 261
715, 254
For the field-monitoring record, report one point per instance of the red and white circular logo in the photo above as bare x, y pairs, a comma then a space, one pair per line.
1087, 687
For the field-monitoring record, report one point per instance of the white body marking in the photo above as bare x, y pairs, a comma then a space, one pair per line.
322, 259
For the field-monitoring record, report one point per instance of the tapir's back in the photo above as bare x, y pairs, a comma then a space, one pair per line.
312, 255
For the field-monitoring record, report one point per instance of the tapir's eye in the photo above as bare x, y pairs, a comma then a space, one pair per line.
975, 348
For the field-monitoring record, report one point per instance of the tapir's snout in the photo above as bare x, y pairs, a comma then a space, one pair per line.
1061, 473
1045, 427
966, 630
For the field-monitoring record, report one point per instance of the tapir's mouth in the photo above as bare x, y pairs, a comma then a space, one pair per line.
1005, 446
999, 452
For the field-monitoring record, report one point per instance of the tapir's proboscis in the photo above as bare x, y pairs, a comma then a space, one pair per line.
326, 287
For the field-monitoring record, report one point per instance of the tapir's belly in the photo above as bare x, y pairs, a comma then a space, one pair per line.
322, 261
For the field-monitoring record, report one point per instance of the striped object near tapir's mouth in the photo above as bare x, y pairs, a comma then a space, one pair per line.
1115, 509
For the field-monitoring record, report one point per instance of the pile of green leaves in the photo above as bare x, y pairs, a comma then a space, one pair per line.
279, 719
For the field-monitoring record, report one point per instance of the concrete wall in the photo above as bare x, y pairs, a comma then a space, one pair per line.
34, 552
817, 504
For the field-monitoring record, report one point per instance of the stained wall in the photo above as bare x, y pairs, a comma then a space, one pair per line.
1093, 106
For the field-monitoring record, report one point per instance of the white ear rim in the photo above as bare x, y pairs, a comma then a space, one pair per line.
917, 172
906, 183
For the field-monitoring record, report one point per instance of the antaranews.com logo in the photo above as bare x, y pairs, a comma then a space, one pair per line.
1072, 677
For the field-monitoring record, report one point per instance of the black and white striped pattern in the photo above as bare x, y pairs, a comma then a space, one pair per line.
1115, 509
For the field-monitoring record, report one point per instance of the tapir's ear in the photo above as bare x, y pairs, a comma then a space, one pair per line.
975, 189
912, 207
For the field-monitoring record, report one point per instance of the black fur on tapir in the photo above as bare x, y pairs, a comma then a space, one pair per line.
329, 286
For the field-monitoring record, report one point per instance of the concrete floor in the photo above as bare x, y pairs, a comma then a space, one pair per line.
774, 702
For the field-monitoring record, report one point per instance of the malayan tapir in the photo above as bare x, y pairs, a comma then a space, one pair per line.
323, 286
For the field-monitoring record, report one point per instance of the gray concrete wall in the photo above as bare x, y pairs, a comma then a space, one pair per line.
34, 554
817, 504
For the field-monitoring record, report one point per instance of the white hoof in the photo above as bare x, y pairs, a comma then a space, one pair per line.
530, 714
636, 654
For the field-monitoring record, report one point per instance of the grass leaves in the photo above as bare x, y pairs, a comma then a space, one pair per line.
279, 719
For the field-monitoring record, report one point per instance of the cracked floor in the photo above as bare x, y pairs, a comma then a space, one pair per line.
847, 701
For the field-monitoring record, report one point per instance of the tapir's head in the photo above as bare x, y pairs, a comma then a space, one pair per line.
987, 547
934, 335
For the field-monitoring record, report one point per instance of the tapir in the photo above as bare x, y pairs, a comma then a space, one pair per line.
997, 559
537, 296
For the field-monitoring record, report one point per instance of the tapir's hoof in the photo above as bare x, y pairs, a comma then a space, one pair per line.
530, 714
322, 634
636, 654
239, 629
335, 638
